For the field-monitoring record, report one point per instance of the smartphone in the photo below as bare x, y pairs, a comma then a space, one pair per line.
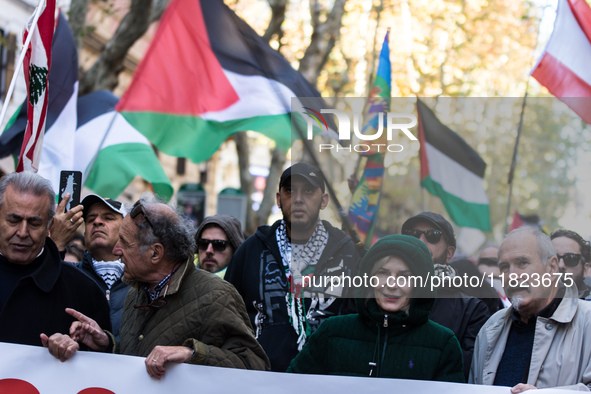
70, 182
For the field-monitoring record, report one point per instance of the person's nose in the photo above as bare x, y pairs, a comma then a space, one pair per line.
561, 265
23, 229
209, 249
423, 239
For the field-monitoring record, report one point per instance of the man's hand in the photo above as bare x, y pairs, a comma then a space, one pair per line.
163, 354
64, 224
87, 331
60, 346
521, 387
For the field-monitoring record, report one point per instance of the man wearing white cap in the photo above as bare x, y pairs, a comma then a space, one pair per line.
102, 220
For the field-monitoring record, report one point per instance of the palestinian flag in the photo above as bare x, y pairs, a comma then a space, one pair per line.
452, 171
206, 76
111, 151
36, 66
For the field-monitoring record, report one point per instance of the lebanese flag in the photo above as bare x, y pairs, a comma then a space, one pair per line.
36, 64
452, 171
206, 76
564, 68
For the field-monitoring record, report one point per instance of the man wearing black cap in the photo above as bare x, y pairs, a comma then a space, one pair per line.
453, 309
270, 268
102, 220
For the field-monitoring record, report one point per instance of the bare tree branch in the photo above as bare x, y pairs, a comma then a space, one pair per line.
277, 17
323, 39
158, 7
105, 71
77, 20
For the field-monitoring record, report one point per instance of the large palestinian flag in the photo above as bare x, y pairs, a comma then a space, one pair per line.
206, 76
452, 171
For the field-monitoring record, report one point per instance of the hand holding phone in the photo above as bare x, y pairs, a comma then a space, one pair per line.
70, 182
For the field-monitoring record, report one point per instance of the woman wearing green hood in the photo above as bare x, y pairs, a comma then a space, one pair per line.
391, 336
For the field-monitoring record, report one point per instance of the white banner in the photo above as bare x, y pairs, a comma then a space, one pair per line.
32, 370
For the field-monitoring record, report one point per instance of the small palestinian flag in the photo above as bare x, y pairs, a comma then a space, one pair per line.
452, 171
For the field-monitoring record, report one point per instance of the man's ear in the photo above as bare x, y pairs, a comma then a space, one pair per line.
277, 199
451, 250
325, 200
552, 265
157, 253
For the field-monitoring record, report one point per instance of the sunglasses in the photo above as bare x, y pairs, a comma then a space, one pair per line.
139, 209
432, 236
570, 259
218, 245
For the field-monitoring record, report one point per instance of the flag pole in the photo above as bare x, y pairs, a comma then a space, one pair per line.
19, 64
514, 160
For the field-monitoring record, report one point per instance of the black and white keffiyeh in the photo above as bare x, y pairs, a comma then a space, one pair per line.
299, 260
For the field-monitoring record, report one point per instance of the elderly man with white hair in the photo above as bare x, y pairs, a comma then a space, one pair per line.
542, 340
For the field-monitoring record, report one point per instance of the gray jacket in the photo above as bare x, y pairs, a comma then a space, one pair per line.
561, 354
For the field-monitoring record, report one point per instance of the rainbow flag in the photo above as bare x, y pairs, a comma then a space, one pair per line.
363, 211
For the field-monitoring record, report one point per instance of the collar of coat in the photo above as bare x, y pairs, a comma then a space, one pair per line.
175, 282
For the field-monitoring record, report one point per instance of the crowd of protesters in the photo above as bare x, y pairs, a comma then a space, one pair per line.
142, 282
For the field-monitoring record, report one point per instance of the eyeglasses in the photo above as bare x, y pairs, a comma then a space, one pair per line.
218, 245
570, 259
137, 209
432, 236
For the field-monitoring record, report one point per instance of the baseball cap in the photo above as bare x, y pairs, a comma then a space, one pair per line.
306, 171
92, 199
436, 220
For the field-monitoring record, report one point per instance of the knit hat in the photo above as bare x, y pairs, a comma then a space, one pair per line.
411, 250
436, 220
231, 226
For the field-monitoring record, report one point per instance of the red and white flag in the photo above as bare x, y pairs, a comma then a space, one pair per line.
565, 66
36, 68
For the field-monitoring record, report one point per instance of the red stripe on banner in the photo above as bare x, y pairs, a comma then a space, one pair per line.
563, 83
422, 148
180, 74
582, 13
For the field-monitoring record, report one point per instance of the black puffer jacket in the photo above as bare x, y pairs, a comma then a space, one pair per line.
257, 272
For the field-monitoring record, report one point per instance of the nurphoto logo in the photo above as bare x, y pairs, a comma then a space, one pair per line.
394, 124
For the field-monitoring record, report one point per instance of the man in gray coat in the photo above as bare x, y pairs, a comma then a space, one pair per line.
541, 341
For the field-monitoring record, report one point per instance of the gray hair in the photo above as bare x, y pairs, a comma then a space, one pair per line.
545, 248
173, 231
29, 182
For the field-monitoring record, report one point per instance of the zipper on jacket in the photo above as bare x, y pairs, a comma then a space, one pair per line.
385, 320
108, 294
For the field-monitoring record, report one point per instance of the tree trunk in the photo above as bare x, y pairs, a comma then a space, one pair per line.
277, 162
246, 181
105, 71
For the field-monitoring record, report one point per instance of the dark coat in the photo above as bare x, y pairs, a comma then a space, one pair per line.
115, 296
396, 345
38, 302
257, 272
